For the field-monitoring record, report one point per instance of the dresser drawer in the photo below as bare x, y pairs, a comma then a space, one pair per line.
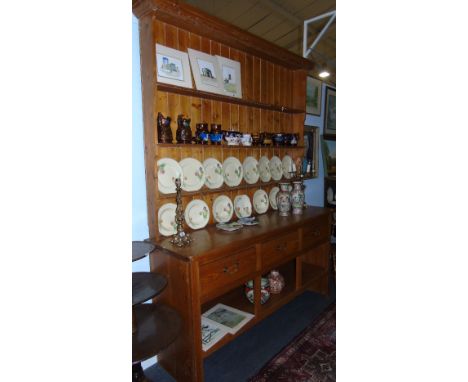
215, 275
315, 233
279, 248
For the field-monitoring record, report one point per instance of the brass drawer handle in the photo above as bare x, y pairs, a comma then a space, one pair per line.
281, 247
232, 269
316, 232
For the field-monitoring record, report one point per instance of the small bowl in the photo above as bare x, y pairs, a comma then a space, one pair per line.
265, 290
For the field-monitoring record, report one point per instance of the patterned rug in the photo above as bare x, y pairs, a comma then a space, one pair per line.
310, 357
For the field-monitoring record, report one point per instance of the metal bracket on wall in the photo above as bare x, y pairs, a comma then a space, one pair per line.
306, 51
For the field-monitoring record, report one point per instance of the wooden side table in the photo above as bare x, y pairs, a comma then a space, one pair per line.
154, 326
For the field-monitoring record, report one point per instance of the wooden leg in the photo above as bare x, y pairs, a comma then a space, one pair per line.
137, 373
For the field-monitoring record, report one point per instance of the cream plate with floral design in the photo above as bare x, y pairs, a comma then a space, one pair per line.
232, 170
264, 169
166, 219
250, 168
272, 196
286, 164
197, 214
242, 206
193, 174
223, 209
213, 173
168, 171
260, 201
275, 168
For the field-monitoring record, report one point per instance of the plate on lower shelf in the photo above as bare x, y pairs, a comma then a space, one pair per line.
168, 171
223, 209
287, 165
213, 173
197, 214
166, 219
233, 172
264, 169
250, 168
193, 174
260, 201
242, 206
272, 197
276, 169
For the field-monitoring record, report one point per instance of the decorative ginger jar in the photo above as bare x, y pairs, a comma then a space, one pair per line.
297, 198
283, 200
276, 281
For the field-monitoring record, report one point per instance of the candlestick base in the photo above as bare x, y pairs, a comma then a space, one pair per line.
181, 239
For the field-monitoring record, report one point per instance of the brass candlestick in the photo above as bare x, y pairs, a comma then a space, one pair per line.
181, 239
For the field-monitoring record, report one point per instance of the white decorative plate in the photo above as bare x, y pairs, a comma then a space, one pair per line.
275, 168
193, 174
213, 173
166, 219
250, 168
242, 206
168, 171
264, 169
223, 209
197, 214
272, 196
260, 201
287, 166
232, 170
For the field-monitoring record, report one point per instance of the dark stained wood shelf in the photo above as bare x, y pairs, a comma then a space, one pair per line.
223, 98
158, 327
140, 249
235, 298
243, 186
146, 285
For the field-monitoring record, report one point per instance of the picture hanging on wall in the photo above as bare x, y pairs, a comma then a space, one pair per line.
313, 96
328, 143
231, 76
173, 67
206, 72
330, 112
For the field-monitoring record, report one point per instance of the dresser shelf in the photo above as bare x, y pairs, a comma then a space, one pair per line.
223, 98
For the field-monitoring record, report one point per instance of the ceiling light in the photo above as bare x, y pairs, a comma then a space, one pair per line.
324, 74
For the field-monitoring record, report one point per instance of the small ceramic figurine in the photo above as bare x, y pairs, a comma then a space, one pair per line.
183, 133
164, 129
276, 282
283, 200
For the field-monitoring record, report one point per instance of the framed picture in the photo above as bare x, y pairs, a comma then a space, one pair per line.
330, 112
311, 145
172, 67
231, 76
206, 72
227, 317
313, 96
330, 192
329, 154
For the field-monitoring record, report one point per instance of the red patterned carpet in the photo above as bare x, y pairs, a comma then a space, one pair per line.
310, 357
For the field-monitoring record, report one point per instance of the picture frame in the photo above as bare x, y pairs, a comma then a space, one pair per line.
313, 96
206, 71
172, 67
328, 145
329, 127
227, 318
311, 148
231, 76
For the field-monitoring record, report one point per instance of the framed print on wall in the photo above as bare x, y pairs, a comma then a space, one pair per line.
172, 67
231, 76
206, 72
330, 112
313, 96
329, 154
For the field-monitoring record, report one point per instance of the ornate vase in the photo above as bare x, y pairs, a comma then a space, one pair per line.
276, 282
297, 198
283, 199
264, 290
183, 133
164, 129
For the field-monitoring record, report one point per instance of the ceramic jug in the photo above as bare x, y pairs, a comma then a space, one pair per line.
164, 129
283, 199
183, 133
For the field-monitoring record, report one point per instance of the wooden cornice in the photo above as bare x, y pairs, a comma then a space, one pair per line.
194, 20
